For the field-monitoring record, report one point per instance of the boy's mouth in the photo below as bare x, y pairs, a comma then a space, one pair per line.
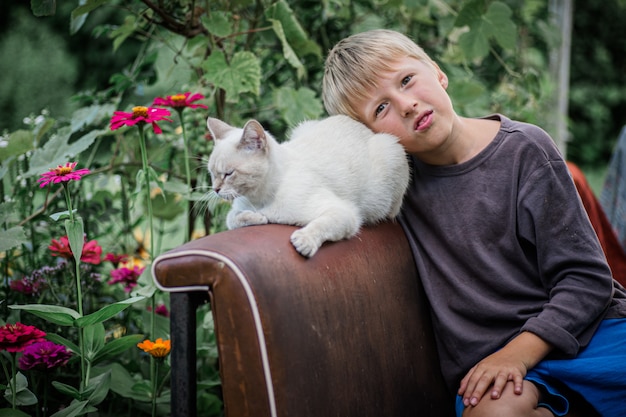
424, 120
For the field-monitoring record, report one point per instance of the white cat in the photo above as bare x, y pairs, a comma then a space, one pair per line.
331, 177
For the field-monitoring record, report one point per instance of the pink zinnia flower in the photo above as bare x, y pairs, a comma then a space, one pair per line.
91, 253
62, 173
126, 276
15, 337
140, 114
180, 101
115, 259
43, 356
160, 310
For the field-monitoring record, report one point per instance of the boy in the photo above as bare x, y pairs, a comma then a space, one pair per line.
523, 303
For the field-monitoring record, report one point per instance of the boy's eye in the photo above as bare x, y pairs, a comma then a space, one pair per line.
406, 80
379, 109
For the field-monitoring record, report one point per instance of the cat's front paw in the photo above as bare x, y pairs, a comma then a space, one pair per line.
305, 243
246, 218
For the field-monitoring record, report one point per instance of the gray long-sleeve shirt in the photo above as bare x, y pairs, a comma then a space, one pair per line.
502, 245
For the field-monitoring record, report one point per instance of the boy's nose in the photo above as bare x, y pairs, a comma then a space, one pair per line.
408, 107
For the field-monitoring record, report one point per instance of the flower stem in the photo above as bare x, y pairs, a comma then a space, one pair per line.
14, 380
155, 365
187, 174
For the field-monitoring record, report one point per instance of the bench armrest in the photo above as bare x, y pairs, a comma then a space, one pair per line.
346, 332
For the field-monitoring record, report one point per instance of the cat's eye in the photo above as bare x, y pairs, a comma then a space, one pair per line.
227, 174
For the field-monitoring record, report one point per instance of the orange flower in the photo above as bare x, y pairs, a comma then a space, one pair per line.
159, 349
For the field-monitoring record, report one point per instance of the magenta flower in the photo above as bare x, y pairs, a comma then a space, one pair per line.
126, 276
62, 173
141, 115
43, 356
160, 310
180, 101
16, 337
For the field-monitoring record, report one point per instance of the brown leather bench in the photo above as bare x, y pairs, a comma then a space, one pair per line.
345, 333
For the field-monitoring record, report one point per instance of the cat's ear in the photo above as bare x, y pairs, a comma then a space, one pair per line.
217, 128
253, 137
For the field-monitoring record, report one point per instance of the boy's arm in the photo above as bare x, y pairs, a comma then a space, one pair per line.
511, 363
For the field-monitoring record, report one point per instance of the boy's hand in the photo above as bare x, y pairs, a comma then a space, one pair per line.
511, 363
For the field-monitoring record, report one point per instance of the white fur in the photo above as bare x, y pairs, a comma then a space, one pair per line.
331, 177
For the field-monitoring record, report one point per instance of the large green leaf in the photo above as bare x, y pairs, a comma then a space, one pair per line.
295, 34
9, 412
60, 340
218, 23
475, 44
76, 408
296, 106
62, 316
106, 312
242, 75
18, 143
288, 52
116, 347
15, 236
501, 27
58, 150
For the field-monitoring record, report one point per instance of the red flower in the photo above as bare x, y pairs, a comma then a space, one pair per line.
91, 251
140, 115
180, 101
127, 276
62, 173
28, 285
15, 337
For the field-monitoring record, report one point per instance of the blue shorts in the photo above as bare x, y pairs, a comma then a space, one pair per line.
598, 373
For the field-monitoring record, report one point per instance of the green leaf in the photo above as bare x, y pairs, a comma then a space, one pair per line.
294, 33
116, 347
19, 142
86, 116
79, 14
123, 32
58, 151
60, 340
122, 383
218, 23
501, 27
296, 106
75, 408
9, 412
471, 13
15, 236
106, 312
93, 340
76, 236
61, 215
65, 389
288, 52
241, 76
98, 388
43, 7
23, 395
62, 316
474, 43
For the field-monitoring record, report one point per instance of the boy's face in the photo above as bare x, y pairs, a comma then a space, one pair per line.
411, 102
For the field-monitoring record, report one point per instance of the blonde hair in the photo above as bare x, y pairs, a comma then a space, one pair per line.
354, 64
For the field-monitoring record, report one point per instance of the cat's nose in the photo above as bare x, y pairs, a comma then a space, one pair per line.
217, 190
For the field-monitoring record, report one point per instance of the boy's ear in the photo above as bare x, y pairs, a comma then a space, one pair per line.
441, 76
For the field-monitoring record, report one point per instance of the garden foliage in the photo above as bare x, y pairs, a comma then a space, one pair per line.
123, 177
